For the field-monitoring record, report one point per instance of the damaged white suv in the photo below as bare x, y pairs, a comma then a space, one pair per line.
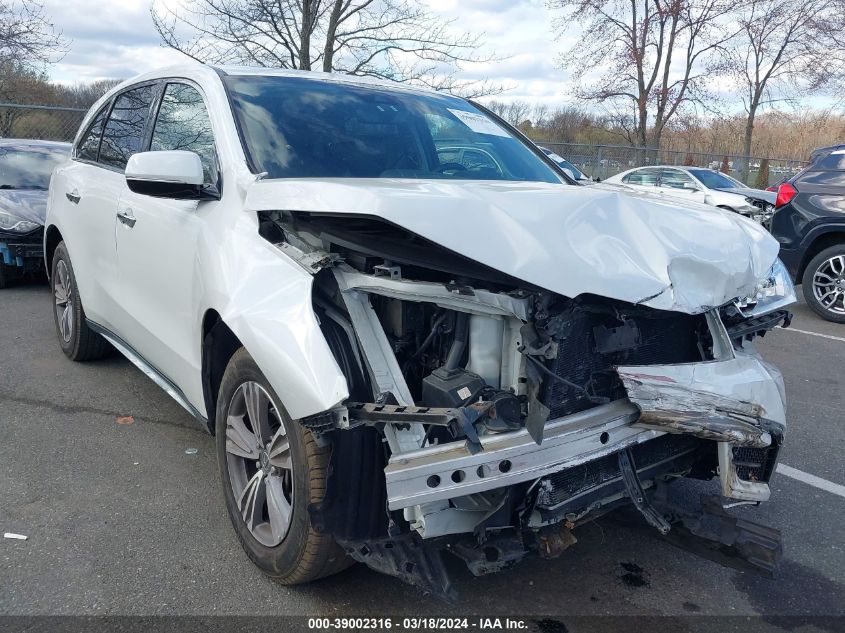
408, 331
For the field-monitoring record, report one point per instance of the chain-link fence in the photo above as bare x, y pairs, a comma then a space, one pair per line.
597, 161
49, 123
603, 161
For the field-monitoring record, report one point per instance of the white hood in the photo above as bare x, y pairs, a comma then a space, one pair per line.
570, 240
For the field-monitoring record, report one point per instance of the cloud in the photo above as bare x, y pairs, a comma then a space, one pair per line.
116, 39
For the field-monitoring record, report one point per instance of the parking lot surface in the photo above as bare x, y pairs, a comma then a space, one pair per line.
125, 519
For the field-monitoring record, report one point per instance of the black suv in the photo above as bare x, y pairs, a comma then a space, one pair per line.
809, 223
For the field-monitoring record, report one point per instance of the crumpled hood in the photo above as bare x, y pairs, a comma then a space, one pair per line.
27, 204
570, 240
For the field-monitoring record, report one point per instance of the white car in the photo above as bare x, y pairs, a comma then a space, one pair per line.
400, 356
697, 184
571, 170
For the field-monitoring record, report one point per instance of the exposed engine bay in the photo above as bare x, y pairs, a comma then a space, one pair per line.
490, 418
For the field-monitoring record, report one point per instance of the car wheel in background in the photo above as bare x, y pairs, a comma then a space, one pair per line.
272, 470
78, 341
824, 284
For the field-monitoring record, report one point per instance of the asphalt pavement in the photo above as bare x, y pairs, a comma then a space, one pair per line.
126, 519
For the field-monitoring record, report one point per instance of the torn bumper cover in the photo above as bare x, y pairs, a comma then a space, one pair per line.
738, 403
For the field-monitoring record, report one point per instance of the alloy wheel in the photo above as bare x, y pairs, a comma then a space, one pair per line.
258, 458
63, 292
829, 284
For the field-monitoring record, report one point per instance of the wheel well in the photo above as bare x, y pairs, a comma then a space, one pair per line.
51, 241
219, 343
818, 245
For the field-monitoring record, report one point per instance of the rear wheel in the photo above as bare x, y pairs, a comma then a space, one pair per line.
272, 470
78, 341
823, 284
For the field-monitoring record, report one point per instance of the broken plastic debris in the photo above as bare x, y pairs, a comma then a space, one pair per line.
125, 419
19, 537
190, 451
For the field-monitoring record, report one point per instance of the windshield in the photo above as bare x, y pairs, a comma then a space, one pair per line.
716, 179
29, 167
294, 127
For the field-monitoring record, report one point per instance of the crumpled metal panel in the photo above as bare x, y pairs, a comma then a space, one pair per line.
570, 240
740, 400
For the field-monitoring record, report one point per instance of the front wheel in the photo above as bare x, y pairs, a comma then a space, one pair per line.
823, 283
272, 470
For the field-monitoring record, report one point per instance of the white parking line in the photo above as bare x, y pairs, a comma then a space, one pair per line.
830, 336
812, 480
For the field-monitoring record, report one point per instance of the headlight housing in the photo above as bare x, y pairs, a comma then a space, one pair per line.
14, 224
774, 290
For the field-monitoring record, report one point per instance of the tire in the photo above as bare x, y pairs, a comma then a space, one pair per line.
78, 341
825, 273
3, 280
302, 554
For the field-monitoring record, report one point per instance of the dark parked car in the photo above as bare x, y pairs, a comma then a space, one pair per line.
25, 169
809, 223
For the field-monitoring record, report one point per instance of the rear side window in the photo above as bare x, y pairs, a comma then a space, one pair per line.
89, 144
835, 161
124, 132
647, 177
834, 178
675, 179
182, 123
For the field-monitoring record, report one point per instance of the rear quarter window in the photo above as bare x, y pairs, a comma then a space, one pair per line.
833, 161
823, 178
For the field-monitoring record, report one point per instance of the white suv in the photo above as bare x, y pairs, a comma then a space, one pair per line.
399, 352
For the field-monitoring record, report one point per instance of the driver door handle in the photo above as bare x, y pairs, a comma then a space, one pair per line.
73, 196
126, 217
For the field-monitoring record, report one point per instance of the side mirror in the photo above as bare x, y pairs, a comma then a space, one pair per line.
690, 186
173, 174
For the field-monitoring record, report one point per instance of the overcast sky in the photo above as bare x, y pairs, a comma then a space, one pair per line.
116, 38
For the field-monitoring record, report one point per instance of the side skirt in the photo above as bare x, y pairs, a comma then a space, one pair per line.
151, 372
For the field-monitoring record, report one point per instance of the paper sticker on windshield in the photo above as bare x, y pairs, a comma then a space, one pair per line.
478, 123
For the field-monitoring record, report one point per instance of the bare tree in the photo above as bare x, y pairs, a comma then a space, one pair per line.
514, 112
397, 40
785, 51
654, 56
26, 34
84, 94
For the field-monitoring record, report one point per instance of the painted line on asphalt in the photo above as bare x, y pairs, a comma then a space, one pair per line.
829, 336
807, 478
